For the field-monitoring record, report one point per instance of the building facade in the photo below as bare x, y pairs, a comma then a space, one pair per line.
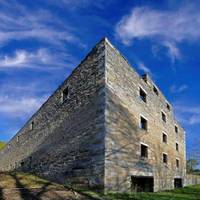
104, 127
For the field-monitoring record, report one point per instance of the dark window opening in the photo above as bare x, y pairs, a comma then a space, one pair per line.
143, 95
177, 147
22, 164
143, 123
155, 90
164, 138
144, 77
178, 183
142, 184
164, 117
65, 94
177, 163
165, 159
32, 125
176, 129
168, 107
144, 151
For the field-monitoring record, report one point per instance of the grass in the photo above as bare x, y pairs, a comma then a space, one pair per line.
8, 180
186, 193
2, 145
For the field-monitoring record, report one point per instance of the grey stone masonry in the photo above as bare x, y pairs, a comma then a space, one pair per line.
91, 131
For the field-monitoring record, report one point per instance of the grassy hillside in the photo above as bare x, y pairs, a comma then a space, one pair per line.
33, 187
2, 145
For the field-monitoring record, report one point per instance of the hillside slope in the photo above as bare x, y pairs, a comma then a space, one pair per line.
2, 145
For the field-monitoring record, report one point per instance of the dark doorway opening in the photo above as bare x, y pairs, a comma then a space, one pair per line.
178, 183
142, 184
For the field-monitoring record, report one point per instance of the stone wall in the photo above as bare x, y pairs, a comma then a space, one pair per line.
124, 136
64, 141
192, 179
93, 137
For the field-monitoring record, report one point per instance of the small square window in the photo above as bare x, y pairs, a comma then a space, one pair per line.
177, 147
165, 158
177, 163
144, 151
143, 95
168, 107
155, 90
143, 123
164, 117
176, 129
164, 138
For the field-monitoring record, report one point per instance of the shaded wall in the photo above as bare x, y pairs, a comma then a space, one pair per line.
66, 141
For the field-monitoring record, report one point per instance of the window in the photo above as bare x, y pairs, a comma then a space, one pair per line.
164, 117
177, 147
32, 125
168, 107
144, 77
176, 129
144, 151
143, 95
165, 159
65, 94
143, 123
177, 163
164, 138
155, 90
17, 138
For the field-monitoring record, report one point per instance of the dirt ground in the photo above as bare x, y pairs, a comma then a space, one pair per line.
19, 186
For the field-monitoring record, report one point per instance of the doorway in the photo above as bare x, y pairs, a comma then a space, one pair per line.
178, 183
142, 184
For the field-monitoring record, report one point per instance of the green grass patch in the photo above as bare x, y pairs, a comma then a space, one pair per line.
2, 145
186, 193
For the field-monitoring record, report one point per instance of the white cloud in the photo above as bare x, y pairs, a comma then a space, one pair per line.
172, 51
189, 115
166, 28
20, 107
20, 23
175, 26
42, 59
144, 68
178, 89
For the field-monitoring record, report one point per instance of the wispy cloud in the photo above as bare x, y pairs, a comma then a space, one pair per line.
42, 59
188, 115
20, 107
168, 28
17, 22
178, 89
176, 26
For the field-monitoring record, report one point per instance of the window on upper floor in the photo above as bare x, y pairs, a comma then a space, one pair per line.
143, 95
143, 123
65, 94
144, 151
165, 158
176, 129
164, 118
177, 163
177, 147
32, 125
164, 138
168, 107
155, 90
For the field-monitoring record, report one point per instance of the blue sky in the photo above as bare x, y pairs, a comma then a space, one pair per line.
42, 41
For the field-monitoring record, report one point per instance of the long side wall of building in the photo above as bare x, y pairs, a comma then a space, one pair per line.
124, 136
64, 140
192, 179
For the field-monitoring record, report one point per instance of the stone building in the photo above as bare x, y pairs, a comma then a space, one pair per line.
104, 127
